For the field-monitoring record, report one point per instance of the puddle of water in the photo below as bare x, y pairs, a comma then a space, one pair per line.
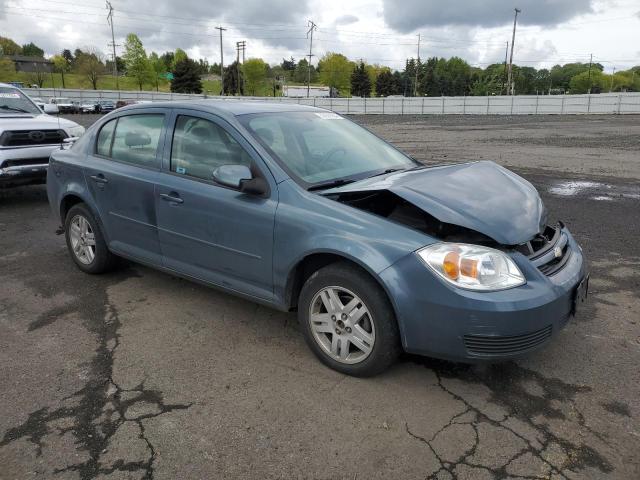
599, 191
571, 188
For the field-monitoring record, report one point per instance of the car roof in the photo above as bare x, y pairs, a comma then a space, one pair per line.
230, 107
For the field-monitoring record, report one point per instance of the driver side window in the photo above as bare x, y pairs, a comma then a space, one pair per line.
200, 146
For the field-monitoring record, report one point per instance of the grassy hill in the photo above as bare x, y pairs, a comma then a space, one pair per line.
108, 82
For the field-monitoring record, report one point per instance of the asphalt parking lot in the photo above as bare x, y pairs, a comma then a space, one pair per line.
137, 374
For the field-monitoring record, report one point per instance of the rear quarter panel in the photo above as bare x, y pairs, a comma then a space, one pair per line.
65, 177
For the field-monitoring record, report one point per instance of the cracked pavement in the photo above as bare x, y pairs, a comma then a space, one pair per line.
140, 375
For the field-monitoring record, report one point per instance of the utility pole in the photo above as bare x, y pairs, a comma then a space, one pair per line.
240, 46
113, 44
612, 75
415, 87
590, 63
221, 60
504, 74
513, 39
312, 26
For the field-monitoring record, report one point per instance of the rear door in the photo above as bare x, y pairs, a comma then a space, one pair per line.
207, 231
121, 172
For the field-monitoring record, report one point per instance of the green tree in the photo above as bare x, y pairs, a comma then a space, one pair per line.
335, 71
583, 83
255, 74
301, 73
9, 47
167, 60
136, 61
68, 56
288, 65
409, 75
178, 56
186, 77
61, 66
561, 75
90, 64
157, 67
360, 81
489, 81
385, 84
32, 50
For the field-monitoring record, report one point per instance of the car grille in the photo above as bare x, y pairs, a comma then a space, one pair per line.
22, 138
549, 251
495, 345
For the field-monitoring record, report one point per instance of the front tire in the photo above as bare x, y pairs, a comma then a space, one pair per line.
85, 241
347, 321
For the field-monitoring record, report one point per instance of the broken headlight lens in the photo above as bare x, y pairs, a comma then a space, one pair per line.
472, 266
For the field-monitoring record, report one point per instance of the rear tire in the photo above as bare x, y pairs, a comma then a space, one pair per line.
348, 321
85, 241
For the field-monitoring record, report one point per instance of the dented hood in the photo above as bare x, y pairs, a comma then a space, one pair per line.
481, 196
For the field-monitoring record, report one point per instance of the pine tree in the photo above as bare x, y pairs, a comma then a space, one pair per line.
233, 80
186, 78
360, 81
385, 84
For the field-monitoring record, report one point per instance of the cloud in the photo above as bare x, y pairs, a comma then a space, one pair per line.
408, 15
346, 20
267, 21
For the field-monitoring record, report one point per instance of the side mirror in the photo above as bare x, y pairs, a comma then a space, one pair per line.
51, 108
240, 177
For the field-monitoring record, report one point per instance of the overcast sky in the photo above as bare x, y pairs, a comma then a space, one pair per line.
378, 31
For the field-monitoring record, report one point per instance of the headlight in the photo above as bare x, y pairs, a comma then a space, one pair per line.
76, 131
472, 266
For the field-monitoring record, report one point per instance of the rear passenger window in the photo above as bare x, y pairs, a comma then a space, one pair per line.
200, 146
136, 139
103, 146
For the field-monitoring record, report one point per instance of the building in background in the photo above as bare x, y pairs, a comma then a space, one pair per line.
31, 64
297, 91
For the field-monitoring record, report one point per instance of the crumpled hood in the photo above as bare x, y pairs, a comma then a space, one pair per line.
481, 196
32, 122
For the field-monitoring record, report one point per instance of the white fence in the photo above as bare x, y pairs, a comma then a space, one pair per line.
605, 103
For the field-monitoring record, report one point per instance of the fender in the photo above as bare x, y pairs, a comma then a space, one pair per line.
333, 228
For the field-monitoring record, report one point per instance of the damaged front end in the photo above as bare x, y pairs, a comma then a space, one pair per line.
476, 203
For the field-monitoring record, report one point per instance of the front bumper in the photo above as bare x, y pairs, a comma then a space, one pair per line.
24, 166
439, 320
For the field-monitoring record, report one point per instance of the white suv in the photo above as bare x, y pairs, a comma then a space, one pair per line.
27, 137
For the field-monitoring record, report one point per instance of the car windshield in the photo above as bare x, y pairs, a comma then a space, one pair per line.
12, 100
60, 100
320, 148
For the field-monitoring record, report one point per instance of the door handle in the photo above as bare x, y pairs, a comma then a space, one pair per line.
171, 198
99, 178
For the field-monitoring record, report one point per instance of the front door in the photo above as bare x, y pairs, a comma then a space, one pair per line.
207, 231
121, 172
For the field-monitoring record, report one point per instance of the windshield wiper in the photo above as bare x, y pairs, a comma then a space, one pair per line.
14, 109
333, 183
388, 170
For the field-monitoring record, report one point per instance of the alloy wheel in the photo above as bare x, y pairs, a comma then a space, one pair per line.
83, 242
342, 325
